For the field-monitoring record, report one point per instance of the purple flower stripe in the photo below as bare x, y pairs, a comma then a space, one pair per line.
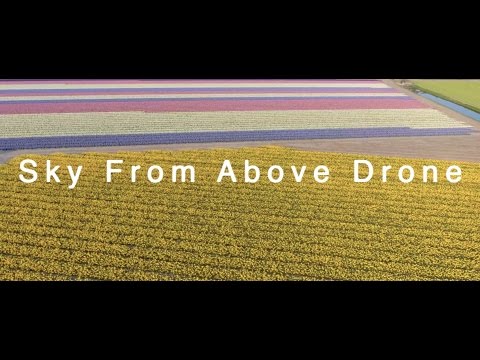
219, 98
224, 136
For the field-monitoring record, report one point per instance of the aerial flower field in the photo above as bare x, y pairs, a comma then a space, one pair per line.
56, 114
221, 231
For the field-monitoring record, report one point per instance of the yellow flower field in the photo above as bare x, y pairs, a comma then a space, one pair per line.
236, 231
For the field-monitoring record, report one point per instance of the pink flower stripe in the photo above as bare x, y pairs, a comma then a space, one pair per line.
203, 91
211, 105
174, 81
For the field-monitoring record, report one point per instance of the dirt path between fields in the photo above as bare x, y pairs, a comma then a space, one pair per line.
460, 148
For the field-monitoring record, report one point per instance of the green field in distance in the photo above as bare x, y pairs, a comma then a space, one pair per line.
462, 92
